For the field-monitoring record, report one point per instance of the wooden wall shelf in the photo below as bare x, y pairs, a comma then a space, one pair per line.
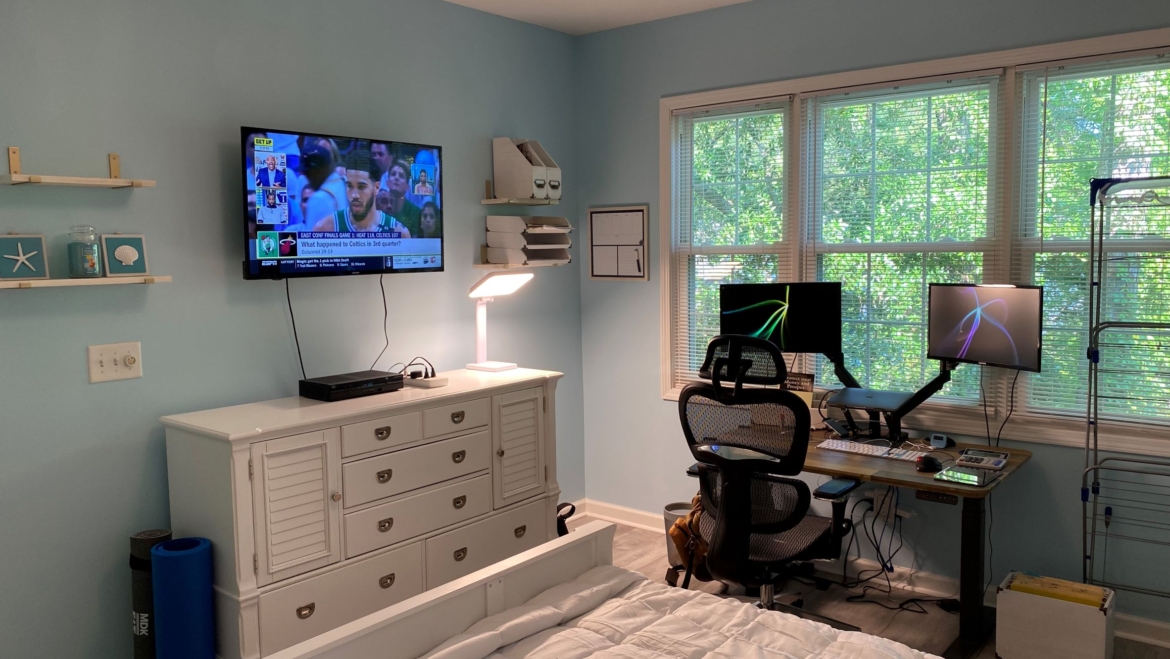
520, 202
96, 281
16, 177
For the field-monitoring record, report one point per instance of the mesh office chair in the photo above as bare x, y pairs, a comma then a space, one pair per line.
749, 443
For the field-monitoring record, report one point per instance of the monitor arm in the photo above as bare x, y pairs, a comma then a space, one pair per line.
894, 419
842, 373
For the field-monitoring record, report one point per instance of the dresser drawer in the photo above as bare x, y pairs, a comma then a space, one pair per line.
460, 552
455, 418
303, 610
406, 518
386, 475
386, 432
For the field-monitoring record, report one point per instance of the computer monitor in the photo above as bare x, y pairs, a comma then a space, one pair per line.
797, 317
989, 324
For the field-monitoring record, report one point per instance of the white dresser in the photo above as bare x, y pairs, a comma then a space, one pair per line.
321, 513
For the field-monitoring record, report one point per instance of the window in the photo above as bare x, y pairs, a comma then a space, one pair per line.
897, 199
729, 212
1078, 123
947, 171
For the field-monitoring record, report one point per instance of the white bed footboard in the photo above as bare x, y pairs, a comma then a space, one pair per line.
414, 627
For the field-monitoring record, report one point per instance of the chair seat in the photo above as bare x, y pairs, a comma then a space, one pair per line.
796, 544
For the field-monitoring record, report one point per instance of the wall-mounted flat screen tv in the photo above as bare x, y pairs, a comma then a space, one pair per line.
319, 205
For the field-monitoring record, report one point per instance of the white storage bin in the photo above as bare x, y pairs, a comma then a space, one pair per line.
1030, 626
551, 169
516, 174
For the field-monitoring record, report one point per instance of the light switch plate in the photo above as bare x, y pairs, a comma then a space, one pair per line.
115, 361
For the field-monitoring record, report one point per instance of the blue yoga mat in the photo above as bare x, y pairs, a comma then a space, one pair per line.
184, 614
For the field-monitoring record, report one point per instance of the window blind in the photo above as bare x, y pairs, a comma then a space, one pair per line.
1078, 122
729, 187
899, 191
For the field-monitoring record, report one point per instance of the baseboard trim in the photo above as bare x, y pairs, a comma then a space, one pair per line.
1141, 630
610, 512
927, 584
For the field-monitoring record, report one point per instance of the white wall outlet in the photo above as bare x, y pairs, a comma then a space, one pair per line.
115, 361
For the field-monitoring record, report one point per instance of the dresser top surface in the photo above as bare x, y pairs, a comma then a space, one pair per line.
252, 420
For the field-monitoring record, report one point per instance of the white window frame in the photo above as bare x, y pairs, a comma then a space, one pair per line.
1148, 439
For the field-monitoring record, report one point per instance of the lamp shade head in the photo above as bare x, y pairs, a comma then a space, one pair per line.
500, 283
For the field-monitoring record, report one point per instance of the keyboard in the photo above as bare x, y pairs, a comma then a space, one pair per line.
846, 446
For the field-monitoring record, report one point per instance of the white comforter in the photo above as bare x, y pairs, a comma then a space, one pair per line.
611, 613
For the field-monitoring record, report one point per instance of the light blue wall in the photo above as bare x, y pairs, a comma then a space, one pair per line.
167, 85
634, 450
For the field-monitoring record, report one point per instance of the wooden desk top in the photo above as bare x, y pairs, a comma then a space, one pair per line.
901, 473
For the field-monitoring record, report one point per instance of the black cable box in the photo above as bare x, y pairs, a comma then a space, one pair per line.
350, 385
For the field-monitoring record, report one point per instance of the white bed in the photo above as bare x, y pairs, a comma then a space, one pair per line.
565, 600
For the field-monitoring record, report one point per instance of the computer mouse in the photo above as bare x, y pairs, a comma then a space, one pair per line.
928, 463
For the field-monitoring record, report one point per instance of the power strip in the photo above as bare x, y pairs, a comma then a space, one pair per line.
425, 383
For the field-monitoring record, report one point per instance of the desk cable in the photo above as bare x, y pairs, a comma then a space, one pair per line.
385, 320
885, 558
990, 503
288, 296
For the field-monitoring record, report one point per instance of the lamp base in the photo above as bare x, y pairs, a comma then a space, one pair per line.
491, 367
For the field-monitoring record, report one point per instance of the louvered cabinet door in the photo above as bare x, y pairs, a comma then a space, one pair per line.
518, 445
297, 515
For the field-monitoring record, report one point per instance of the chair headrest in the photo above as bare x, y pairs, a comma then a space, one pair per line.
743, 360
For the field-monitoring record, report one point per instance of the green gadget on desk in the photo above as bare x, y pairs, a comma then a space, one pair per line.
967, 476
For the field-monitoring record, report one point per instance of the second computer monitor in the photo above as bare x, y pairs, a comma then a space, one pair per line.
797, 317
992, 325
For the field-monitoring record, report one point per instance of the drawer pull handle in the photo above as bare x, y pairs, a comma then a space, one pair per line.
458, 456
457, 417
386, 524
385, 475
459, 502
386, 581
460, 554
307, 610
500, 453
383, 433
336, 496
521, 530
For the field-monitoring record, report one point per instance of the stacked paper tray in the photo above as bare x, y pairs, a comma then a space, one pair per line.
535, 240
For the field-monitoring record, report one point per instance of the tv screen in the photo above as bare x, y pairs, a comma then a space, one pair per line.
318, 205
798, 317
992, 325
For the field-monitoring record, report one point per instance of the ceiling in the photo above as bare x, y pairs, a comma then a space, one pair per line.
579, 17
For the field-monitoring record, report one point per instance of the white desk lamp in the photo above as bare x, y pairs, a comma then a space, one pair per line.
497, 283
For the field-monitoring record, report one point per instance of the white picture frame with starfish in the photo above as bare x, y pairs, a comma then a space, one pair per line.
23, 257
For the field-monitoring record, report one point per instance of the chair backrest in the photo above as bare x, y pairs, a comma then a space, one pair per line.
746, 441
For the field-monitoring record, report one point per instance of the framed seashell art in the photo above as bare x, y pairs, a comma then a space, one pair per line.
124, 255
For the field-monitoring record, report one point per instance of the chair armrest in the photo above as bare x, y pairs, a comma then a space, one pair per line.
837, 489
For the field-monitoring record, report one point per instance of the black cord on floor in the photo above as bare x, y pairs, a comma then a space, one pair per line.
288, 296
385, 320
885, 558
1011, 408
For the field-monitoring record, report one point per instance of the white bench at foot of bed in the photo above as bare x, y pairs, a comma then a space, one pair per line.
415, 626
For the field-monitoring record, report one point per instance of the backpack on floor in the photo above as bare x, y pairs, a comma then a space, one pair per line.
690, 545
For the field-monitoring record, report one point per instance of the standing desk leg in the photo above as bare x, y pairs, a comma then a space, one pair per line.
974, 621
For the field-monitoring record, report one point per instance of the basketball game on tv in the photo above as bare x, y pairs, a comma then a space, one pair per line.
327, 205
